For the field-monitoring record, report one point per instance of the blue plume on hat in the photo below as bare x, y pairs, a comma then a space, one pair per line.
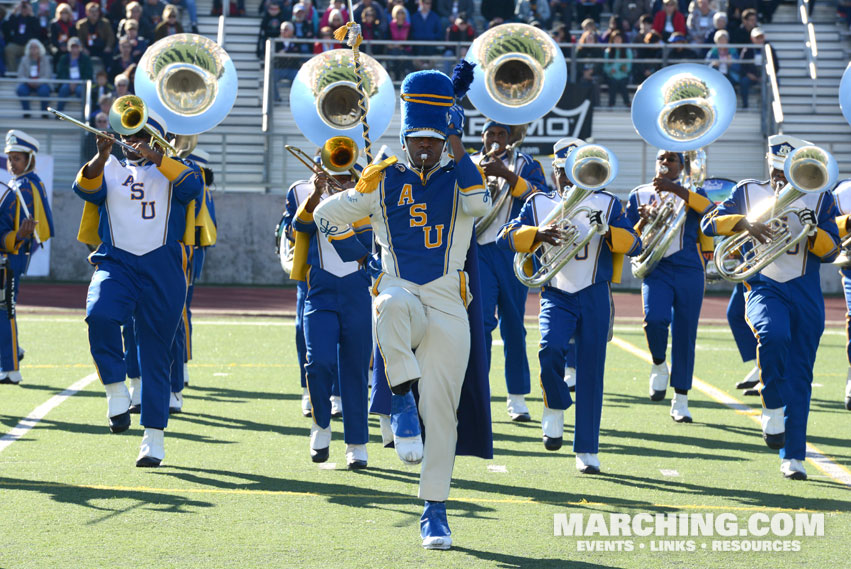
462, 77
426, 98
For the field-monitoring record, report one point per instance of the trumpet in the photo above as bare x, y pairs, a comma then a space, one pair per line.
809, 170
589, 168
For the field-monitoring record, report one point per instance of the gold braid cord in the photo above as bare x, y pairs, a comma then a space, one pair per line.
353, 32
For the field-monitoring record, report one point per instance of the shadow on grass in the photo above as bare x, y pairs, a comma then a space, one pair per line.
505, 561
230, 395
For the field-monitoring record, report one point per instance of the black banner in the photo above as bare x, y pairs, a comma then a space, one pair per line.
572, 116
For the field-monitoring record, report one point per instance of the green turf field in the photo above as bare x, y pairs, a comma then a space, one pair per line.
237, 488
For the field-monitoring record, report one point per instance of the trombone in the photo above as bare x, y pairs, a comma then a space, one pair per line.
338, 152
91, 129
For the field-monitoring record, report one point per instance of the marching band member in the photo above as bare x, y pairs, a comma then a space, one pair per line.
296, 195
575, 303
520, 175
673, 291
784, 303
743, 335
842, 194
423, 216
337, 333
138, 213
21, 235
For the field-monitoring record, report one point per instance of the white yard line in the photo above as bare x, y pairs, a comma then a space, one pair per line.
37, 414
821, 461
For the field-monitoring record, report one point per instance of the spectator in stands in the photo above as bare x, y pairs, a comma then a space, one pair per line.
100, 121
645, 26
340, 7
372, 29
152, 13
236, 8
724, 59
618, 68
740, 31
590, 26
325, 34
753, 59
588, 55
285, 68
123, 63
425, 26
630, 11
391, 4
74, 66
336, 20
18, 29
843, 11
96, 34
170, 24
460, 31
679, 48
561, 34
78, 9
449, 10
138, 44
499, 10
270, 27
44, 11
669, 20
400, 30
589, 9
33, 68
719, 22
644, 68
61, 30
102, 87
615, 25
191, 7
562, 12
104, 103
133, 13
380, 14
116, 12
303, 27
699, 21
529, 11
122, 86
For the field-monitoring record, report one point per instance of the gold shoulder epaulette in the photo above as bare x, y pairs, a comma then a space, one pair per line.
372, 175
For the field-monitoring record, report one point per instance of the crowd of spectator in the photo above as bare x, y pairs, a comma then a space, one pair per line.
600, 60
56, 47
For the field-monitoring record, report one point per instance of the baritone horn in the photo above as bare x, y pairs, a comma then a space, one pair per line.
681, 108
809, 170
589, 168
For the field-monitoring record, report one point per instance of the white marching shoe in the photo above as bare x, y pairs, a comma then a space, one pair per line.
773, 428
135, 394
848, 391
405, 424
570, 378
679, 409
409, 449
117, 406
306, 406
152, 452
517, 409
587, 463
552, 425
356, 457
175, 402
658, 381
751, 379
320, 440
793, 469
386, 430
11, 377
185, 374
336, 406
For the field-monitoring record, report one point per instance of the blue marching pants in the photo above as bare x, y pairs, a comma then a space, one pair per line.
502, 293
131, 349
338, 337
152, 289
584, 316
9, 326
301, 349
788, 321
178, 355
742, 333
672, 298
846, 286
198, 256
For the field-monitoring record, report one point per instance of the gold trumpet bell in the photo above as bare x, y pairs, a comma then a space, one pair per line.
128, 115
339, 154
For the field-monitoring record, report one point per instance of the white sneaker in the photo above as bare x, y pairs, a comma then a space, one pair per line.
793, 468
386, 430
320, 440
848, 391
773, 428
409, 449
117, 399
306, 407
135, 391
175, 402
570, 378
11, 377
552, 425
356, 457
658, 381
679, 409
152, 451
336, 406
517, 409
751, 379
587, 463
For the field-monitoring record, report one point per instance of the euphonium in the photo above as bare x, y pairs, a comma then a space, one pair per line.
681, 108
809, 170
589, 168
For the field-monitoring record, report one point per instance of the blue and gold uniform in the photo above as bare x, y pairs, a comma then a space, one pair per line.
576, 303
17, 252
502, 294
785, 307
673, 291
842, 194
139, 215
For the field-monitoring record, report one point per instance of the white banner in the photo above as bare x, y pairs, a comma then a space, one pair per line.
40, 261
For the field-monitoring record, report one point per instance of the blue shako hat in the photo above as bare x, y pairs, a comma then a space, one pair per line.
426, 98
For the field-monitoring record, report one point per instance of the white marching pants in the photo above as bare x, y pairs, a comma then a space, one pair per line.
423, 332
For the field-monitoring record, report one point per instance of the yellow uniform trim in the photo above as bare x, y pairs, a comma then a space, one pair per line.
204, 221
697, 202
822, 244
189, 224
463, 276
520, 188
361, 224
724, 224
524, 239
842, 224
705, 242
472, 188
303, 215
346, 235
375, 286
89, 184
88, 232
372, 174
171, 169
622, 240
617, 267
